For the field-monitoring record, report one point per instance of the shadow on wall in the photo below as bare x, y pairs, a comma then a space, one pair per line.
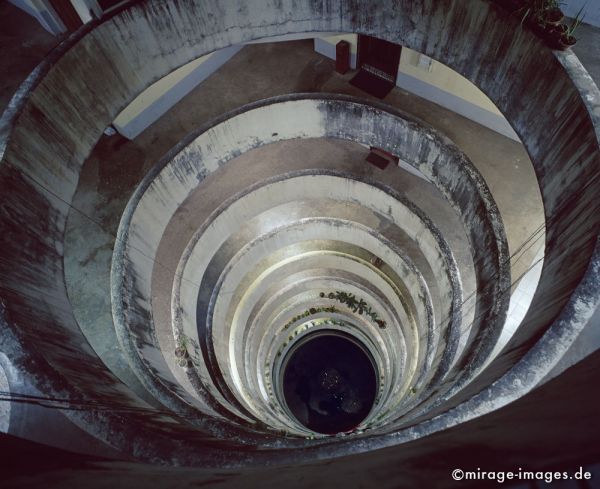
517, 436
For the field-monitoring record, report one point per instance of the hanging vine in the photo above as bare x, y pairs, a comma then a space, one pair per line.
309, 312
357, 305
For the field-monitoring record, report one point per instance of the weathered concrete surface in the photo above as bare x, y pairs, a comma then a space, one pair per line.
165, 189
517, 436
565, 155
24, 44
281, 158
105, 182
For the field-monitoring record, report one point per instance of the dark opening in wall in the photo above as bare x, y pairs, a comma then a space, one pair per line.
329, 382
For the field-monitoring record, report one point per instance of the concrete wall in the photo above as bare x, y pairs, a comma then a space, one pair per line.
434, 81
62, 109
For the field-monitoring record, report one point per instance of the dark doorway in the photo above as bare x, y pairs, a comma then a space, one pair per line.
67, 13
377, 62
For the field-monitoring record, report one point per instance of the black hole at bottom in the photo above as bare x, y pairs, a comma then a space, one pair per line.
329, 382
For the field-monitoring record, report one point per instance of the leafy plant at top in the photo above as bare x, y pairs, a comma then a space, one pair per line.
577, 20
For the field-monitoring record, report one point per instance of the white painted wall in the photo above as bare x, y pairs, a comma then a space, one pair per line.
439, 75
591, 9
433, 81
158, 98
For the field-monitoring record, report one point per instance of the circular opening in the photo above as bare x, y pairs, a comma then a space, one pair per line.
329, 382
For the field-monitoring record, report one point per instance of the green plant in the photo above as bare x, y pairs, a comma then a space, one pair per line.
187, 351
553, 4
357, 305
545, 17
181, 350
309, 312
577, 20
531, 10
537, 11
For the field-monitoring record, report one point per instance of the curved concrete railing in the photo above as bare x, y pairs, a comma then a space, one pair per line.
154, 206
57, 117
